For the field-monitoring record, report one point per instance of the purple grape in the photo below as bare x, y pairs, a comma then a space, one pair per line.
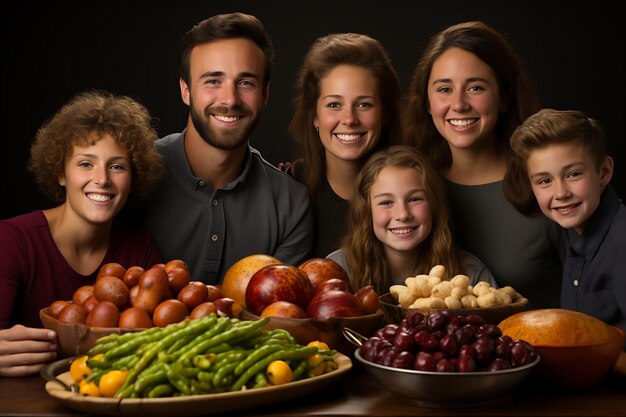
499, 364
404, 360
424, 362
449, 346
465, 363
445, 365
403, 340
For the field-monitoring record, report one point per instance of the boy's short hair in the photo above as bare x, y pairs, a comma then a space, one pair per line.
549, 127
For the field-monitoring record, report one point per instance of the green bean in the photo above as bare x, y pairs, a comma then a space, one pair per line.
222, 373
189, 351
260, 380
102, 348
298, 371
180, 382
288, 354
161, 390
218, 339
256, 356
147, 381
192, 327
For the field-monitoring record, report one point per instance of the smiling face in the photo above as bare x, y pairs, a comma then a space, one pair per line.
464, 99
349, 114
401, 214
226, 93
567, 183
97, 180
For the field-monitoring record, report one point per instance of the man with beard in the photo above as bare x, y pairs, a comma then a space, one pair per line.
220, 200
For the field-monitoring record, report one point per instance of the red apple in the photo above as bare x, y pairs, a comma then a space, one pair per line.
367, 299
333, 284
333, 303
284, 309
278, 282
320, 270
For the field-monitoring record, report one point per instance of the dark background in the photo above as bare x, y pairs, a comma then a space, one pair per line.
574, 53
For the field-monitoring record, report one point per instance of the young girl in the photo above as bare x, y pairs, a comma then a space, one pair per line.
398, 224
96, 152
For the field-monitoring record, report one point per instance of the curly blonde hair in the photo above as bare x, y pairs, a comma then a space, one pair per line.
365, 254
90, 115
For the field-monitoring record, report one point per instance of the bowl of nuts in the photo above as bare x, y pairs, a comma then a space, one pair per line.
445, 360
427, 293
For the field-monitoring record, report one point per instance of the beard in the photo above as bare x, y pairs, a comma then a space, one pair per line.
225, 139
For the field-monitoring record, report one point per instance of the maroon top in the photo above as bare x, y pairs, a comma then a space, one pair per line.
34, 273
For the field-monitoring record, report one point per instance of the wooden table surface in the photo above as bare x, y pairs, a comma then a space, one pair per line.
359, 395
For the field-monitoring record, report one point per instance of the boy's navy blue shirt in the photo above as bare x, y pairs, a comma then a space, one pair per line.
594, 272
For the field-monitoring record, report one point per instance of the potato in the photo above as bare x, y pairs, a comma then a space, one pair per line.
168, 312
442, 290
437, 271
481, 288
82, 294
432, 281
135, 318
56, 307
453, 302
469, 301
458, 292
487, 300
460, 281
113, 289
103, 314
73, 313
193, 294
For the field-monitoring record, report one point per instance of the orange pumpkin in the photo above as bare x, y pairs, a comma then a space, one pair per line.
558, 327
239, 274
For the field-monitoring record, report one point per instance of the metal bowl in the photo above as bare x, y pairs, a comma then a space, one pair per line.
447, 389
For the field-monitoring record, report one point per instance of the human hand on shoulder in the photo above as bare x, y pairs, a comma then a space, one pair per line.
285, 167
25, 350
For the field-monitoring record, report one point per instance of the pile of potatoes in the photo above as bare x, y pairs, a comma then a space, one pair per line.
432, 291
139, 298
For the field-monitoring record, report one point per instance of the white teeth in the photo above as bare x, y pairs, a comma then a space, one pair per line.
99, 197
228, 119
402, 231
348, 137
462, 123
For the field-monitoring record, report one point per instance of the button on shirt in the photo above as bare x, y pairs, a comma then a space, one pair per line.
594, 272
263, 210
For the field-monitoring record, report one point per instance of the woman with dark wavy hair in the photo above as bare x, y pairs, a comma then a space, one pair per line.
93, 156
468, 93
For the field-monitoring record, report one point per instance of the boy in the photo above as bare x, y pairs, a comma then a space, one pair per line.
568, 170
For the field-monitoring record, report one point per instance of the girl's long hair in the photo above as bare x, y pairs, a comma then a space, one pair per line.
365, 254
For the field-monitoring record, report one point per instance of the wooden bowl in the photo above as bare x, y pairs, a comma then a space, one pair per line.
329, 331
394, 313
76, 338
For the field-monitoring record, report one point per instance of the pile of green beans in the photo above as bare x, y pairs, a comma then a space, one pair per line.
203, 356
